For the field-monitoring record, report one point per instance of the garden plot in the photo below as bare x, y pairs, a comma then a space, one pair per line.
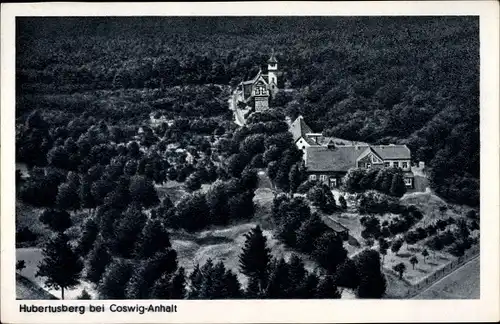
422, 269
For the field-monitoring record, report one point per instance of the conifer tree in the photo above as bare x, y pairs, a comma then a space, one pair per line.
114, 279
61, 265
308, 287
178, 285
309, 231
68, 196
295, 177
253, 289
128, 229
154, 238
148, 271
297, 276
232, 287
170, 287
279, 281
398, 187
372, 281
88, 237
85, 194
346, 275
213, 284
97, 261
195, 282
56, 219
256, 256
329, 251
327, 289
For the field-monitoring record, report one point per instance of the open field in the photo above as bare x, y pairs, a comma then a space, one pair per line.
462, 283
423, 268
26, 289
225, 245
32, 257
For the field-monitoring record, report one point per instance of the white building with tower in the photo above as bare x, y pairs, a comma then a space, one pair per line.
254, 94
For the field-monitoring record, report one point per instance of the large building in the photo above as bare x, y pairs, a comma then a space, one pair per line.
255, 93
328, 159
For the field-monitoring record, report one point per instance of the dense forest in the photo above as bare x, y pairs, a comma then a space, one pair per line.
110, 110
409, 80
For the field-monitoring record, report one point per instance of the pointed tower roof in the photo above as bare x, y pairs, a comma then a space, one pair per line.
272, 59
299, 129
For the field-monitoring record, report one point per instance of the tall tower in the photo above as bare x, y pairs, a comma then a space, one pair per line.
272, 72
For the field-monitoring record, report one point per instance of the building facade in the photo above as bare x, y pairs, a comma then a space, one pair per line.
255, 93
330, 163
328, 159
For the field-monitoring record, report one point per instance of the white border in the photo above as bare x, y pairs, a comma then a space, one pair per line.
484, 309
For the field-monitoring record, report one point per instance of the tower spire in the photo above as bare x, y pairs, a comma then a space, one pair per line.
272, 59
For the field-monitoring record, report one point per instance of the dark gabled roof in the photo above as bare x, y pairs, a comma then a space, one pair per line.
334, 225
388, 152
299, 129
340, 158
340, 141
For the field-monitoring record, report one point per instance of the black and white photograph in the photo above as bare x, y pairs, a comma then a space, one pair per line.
247, 157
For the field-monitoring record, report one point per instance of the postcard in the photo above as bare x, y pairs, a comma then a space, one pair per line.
262, 162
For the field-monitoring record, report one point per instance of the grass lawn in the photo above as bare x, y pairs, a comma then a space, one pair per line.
28, 290
433, 262
460, 284
225, 245
32, 257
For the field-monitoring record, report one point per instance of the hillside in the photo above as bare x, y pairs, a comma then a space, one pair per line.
411, 80
131, 156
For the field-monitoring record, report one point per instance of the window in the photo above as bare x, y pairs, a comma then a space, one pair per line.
333, 182
368, 165
260, 90
395, 164
387, 164
408, 181
405, 165
312, 177
322, 177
